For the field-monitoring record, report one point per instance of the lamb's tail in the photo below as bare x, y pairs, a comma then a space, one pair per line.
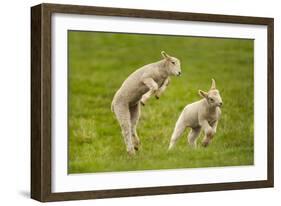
112, 106
113, 101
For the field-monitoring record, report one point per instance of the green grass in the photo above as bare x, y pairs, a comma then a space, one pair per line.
100, 62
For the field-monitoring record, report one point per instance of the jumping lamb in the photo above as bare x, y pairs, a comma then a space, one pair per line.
203, 114
149, 80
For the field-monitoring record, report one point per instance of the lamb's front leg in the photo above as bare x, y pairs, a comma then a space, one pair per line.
214, 126
153, 87
162, 88
209, 133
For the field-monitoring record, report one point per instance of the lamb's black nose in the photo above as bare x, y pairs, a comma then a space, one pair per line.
220, 104
179, 73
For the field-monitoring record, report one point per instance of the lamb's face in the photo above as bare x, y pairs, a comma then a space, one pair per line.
172, 64
213, 96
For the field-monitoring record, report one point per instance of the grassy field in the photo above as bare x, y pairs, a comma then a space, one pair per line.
100, 62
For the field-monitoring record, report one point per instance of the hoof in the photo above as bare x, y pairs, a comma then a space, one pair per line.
204, 144
143, 104
131, 152
137, 146
156, 97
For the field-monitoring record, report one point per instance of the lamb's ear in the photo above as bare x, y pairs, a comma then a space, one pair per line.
164, 55
203, 94
213, 86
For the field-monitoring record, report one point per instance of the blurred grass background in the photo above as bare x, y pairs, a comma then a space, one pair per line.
100, 62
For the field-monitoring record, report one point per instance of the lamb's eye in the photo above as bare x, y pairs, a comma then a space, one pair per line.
173, 63
211, 99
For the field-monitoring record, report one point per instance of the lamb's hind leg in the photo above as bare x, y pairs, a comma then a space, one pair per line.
135, 114
179, 129
193, 134
123, 116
